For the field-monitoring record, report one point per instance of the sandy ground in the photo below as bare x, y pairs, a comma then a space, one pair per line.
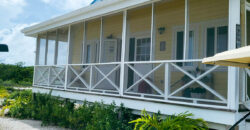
14, 124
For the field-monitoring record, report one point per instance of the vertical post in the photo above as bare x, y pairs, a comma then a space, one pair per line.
152, 44
56, 49
101, 40
46, 49
167, 80
49, 76
186, 32
84, 43
123, 51
90, 77
36, 58
233, 73
67, 76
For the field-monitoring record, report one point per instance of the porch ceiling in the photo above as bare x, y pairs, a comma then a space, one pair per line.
90, 12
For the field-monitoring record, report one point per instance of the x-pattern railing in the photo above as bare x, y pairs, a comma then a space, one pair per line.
197, 80
144, 78
91, 77
79, 76
42, 77
53, 70
106, 77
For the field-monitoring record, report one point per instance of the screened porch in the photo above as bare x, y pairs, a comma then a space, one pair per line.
150, 52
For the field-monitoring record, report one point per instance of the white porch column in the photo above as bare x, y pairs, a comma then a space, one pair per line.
123, 52
67, 76
233, 73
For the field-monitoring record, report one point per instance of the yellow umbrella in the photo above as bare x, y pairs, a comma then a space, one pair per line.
238, 58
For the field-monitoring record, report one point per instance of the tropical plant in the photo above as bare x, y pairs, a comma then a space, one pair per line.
181, 121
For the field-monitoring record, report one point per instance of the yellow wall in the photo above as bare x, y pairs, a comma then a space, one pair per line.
139, 20
112, 25
76, 41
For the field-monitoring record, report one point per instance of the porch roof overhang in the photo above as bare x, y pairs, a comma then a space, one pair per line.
238, 58
99, 9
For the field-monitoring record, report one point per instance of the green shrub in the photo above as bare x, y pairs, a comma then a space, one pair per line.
9, 83
62, 112
181, 121
91, 116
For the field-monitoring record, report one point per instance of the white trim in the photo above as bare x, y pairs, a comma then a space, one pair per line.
186, 32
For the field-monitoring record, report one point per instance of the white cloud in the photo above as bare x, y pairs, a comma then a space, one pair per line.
68, 5
10, 9
21, 48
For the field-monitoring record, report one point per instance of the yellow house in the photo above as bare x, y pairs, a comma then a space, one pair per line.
147, 54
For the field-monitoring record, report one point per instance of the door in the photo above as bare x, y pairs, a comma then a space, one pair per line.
142, 53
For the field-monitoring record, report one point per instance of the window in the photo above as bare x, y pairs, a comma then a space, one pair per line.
143, 49
180, 47
62, 46
42, 49
88, 54
51, 48
217, 40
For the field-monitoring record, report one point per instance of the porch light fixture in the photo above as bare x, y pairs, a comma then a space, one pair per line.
161, 30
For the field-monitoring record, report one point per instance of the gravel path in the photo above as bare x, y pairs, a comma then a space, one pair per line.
14, 124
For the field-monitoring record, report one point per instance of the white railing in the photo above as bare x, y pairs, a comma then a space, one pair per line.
101, 78
167, 81
50, 76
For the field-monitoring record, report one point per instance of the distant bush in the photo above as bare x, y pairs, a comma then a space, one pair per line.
16, 75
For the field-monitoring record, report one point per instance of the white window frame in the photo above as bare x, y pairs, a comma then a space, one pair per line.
195, 29
213, 24
135, 53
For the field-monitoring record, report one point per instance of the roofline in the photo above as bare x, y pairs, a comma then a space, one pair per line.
90, 12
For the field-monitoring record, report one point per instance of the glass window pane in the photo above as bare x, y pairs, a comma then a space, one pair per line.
62, 46
210, 41
76, 42
169, 17
222, 38
179, 48
42, 42
51, 48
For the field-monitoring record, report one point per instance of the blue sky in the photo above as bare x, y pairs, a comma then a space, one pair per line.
18, 14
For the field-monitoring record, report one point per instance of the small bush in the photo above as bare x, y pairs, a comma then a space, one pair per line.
181, 121
3, 92
8, 83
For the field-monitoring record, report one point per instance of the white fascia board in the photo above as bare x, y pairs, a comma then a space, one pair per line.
90, 12
225, 117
